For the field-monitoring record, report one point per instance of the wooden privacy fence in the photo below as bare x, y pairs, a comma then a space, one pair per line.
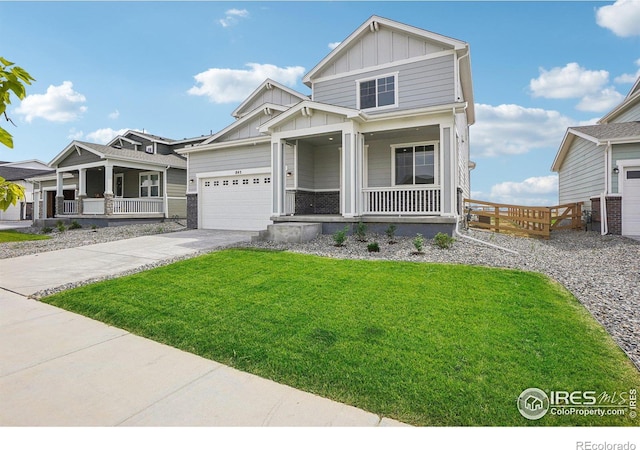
533, 221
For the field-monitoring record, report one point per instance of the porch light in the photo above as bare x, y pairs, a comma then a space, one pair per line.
191, 181
616, 170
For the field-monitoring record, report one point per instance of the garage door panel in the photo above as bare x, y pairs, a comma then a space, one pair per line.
245, 205
631, 202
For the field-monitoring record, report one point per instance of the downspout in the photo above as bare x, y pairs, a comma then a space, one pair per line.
166, 194
480, 241
604, 226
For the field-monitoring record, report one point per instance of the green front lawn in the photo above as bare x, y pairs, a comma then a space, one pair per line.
16, 236
425, 344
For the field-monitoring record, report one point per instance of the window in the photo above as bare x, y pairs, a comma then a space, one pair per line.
267, 180
633, 174
150, 184
377, 92
216, 183
207, 183
245, 181
256, 181
235, 182
225, 183
415, 164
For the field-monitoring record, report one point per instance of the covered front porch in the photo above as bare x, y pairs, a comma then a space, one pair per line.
112, 190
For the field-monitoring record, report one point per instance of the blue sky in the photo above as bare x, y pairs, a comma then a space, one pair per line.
179, 69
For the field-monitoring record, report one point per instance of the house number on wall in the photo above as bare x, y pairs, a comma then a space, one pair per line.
238, 172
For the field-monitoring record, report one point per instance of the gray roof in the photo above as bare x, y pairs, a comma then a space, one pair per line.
119, 153
612, 131
20, 173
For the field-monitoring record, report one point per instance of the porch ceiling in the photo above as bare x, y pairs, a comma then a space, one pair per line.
321, 139
406, 134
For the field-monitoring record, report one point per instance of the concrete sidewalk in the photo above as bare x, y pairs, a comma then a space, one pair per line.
61, 369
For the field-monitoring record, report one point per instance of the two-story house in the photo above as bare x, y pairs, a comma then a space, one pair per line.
136, 176
383, 138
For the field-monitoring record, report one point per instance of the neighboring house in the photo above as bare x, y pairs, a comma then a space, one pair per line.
600, 166
383, 138
135, 176
20, 172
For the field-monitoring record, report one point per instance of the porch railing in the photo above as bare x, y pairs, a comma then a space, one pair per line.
93, 206
70, 207
137, 206
398, 200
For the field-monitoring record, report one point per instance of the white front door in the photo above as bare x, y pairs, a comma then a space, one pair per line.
630, 201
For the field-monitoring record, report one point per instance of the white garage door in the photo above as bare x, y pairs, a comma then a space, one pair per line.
241, 202
631, 202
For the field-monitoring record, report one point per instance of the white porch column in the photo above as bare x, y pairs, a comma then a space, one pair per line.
108, 179
59, 184
82, 183
165, 196
278, 178
349, 170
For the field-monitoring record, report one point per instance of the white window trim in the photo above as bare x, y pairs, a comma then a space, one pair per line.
377, 77
436, 163
140, 175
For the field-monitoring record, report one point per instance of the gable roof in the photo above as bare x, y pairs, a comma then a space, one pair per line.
108, 152
11, 173
267, 84
373, 24
307, 107
632, 99
602, 134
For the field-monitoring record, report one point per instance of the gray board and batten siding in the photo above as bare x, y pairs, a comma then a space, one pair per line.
581, 175
247, 130
631, 115
383, 47
276, 96
421, 84
78, 157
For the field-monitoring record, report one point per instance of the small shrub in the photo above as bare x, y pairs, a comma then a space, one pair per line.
46, 230
391, 233
94, 227
373, 247
443, 240
418, 243
75, 225
61, 227
340, 236
361, 232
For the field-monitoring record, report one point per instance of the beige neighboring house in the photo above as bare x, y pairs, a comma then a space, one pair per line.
382, 138
600, 166
20, 172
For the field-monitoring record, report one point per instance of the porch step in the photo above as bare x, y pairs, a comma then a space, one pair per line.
291, 232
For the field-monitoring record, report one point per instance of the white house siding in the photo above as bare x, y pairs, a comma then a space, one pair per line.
622, 151
275, 96
631, 115
290, 163
318, 119
420, 84
462, 144
582, 173
249, 157
248, 129
382, 47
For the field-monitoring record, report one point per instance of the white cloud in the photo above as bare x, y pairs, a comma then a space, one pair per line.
514, 130
333, 45
59, 104
75, 134
114, 115
234, 85
104, 135
570, 81
601, 101
232, 17
627, 77
623, 17
533, 191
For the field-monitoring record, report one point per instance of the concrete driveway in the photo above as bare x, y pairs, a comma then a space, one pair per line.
61, 369
13, 224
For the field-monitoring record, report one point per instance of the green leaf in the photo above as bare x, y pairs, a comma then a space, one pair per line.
5, 62
17, 89
23, 75
5, 138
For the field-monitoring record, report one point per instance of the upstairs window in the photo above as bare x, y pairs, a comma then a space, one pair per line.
378, 92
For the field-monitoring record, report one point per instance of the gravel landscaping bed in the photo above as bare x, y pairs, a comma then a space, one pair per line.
603, 272
82, 236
